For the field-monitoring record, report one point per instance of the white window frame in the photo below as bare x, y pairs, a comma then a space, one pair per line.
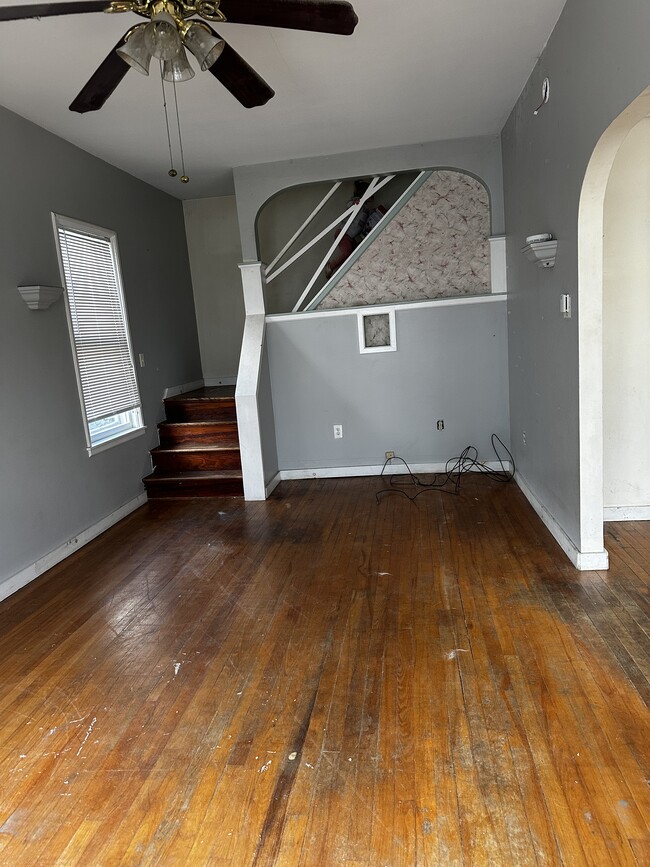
128, 424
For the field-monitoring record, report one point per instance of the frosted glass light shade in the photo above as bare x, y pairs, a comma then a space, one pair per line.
135, 51
178, 68
162, 37
204, 45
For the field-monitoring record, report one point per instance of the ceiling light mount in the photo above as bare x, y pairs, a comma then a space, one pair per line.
178, 9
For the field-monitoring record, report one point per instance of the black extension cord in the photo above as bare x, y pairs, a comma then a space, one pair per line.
449, 481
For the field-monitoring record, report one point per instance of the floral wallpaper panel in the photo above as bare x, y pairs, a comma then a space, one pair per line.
435, 247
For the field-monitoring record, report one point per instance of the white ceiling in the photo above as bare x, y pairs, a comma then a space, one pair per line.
414, 70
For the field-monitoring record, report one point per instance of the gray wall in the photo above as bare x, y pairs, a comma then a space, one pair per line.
215, 253
450, 363
318, 377
50, 490
598, 62
267, 420
254, 185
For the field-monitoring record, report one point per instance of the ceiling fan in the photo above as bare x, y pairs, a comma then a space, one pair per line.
172, 27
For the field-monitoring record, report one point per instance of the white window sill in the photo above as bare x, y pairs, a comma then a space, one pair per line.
114, 441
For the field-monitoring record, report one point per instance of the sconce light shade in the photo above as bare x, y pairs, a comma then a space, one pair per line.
203, 44
135, 50
40, 297
542, 253
162, 36
178, 67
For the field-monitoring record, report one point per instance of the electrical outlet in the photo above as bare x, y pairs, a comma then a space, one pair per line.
390, 456
141, 359
565, 306
338, 431
440, 424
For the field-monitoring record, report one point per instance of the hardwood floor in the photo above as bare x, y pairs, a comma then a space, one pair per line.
324, 680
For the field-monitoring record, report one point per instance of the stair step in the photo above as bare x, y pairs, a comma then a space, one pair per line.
204, 404
180, 458
198, 432
214, 483
198, 455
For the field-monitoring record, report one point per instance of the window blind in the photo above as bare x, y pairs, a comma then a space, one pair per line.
99, 328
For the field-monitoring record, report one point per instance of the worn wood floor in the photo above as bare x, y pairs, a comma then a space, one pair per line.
321, 680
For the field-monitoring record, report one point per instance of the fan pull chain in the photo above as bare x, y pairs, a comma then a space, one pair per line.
184, 178
172, 171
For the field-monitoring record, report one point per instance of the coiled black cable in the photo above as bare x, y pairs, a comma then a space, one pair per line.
449, 481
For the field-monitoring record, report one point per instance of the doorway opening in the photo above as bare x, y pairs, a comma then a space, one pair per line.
591, 281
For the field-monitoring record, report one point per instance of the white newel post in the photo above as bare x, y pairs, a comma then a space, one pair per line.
248, 378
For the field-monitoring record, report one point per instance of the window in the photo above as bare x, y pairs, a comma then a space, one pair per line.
99, 333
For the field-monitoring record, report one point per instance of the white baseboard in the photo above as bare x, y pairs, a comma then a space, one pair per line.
272, 485
626, 513
181, 389
585, 561
29, 573
221, 380
396, 469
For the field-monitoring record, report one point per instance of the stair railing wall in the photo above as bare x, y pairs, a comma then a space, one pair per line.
247, 394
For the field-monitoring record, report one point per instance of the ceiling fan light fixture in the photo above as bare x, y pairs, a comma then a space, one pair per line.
203, 44
135, 51
177, 68
162, 37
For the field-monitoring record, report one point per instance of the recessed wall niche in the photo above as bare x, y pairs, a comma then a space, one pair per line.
377, 331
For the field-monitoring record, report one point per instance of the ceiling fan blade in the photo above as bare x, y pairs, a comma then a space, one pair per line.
322, 16
101, 83
239, 78
44, 10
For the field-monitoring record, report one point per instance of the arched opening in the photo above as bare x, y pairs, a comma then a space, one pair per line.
626, 315
438, 247
590, 301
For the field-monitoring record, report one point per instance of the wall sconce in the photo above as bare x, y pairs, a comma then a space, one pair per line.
40, 297
541, 249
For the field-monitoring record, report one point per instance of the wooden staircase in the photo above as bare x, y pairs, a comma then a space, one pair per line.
198, 455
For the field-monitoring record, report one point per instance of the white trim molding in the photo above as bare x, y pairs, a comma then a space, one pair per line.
31, 572
498, 269
396, 469
368, 309
181, 389
272, 485
585, 561
626, 513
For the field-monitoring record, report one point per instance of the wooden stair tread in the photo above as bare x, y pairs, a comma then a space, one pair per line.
193, 475
209, 393
217, 422
184, 447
